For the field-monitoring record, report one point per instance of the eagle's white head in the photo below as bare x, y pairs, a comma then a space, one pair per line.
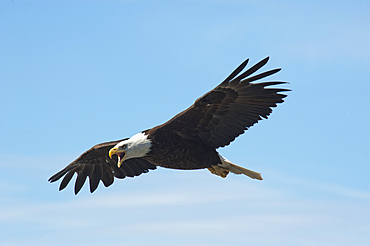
137, 146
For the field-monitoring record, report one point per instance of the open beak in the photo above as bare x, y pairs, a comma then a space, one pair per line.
120, 153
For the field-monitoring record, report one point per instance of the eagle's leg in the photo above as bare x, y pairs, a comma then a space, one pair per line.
220, 171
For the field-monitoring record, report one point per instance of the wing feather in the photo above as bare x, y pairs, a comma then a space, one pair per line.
107, 176
250, 71
80, 180
96, 177
66, 179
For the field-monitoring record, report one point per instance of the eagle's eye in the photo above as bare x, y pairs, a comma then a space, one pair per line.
124, 146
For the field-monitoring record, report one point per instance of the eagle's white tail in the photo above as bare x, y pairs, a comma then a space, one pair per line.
226, 166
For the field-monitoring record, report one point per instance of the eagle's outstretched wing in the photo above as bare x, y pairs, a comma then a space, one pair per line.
96, 164
225, 112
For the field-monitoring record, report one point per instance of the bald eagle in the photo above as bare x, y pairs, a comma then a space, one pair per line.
187, 141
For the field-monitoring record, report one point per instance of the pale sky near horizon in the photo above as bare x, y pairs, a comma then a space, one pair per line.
77, 73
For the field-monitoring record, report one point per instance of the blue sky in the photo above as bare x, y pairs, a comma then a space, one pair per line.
77, 73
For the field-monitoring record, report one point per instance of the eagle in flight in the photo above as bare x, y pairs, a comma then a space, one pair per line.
187, 141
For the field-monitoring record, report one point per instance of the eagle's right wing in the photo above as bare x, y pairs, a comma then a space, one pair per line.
96, 164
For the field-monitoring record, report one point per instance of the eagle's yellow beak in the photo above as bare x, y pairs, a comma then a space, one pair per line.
120, 153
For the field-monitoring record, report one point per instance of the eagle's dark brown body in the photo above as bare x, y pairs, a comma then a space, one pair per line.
190, 139
180, 153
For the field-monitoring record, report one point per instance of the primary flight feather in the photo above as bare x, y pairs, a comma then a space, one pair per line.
187, 141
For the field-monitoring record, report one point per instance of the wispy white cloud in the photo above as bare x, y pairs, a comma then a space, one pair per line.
217, 211
322, 187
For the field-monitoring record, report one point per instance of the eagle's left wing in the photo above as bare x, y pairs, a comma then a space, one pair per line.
225, 112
